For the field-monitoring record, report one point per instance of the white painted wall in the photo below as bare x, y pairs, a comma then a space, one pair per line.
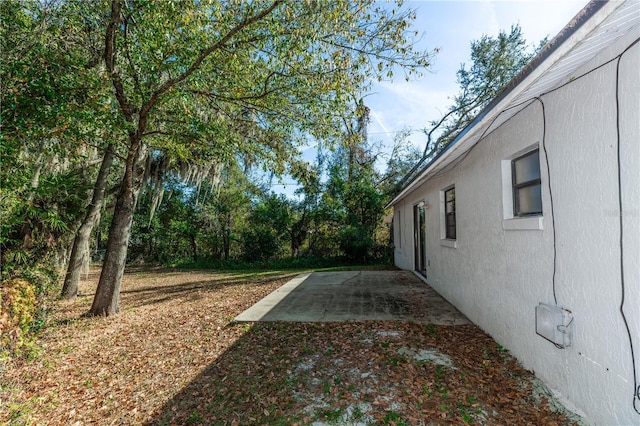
496, 275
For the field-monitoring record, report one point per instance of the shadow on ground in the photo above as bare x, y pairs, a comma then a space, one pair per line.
173, 286
360, 373
187, 290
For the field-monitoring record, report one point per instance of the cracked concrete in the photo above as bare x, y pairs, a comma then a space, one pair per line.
354, 296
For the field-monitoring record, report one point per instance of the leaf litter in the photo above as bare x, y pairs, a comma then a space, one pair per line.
173, 356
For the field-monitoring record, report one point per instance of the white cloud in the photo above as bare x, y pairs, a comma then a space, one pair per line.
379, 122
409, 104
452, 26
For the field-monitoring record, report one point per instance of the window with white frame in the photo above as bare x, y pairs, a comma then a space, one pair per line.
526, 185
521, 190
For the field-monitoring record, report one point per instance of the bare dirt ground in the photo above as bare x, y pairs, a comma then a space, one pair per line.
172, 356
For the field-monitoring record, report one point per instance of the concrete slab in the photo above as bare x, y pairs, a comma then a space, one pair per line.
355, 296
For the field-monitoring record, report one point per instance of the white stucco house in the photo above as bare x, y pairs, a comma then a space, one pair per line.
538, 201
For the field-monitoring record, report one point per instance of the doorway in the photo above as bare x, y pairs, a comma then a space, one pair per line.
419, 239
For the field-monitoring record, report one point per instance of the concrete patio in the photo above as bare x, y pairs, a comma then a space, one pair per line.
355, 296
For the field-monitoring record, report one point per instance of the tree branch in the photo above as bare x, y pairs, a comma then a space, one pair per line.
203, 55
110, 59
127, 53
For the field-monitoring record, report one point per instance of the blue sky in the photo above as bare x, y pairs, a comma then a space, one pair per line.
450, 26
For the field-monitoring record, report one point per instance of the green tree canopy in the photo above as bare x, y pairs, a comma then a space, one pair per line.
209, 78
53, 112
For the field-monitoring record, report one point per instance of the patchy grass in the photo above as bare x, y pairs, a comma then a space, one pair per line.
172, 356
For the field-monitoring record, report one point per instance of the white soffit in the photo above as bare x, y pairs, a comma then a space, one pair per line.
613, 20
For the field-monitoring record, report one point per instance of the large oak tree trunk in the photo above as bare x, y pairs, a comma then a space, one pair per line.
80, 250
107, 298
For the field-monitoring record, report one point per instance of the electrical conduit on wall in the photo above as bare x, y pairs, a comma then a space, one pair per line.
621, 210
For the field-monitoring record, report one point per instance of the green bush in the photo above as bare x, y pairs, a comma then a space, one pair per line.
17, 313
356, 242
260, 243
24, 311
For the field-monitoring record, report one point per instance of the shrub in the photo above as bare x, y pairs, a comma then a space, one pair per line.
355, 242
17, 313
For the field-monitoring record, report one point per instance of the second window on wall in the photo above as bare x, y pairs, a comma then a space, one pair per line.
450, 213
527, 193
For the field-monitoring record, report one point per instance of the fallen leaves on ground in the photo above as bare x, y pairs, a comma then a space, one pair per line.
173, 356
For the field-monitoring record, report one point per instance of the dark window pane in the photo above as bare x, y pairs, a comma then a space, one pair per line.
450, 194
527, 168
450, 213
450, 200
451, 227
528, 200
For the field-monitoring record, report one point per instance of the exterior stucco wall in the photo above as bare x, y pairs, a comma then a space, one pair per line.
497, 276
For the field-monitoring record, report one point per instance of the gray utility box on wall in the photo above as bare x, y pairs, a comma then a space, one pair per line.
554, 324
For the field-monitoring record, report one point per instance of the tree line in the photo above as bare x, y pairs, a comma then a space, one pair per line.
152, 132
106, 102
